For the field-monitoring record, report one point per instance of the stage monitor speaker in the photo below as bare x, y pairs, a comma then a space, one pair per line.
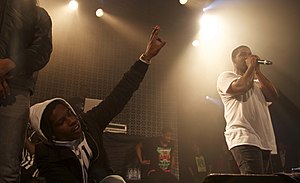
253, 178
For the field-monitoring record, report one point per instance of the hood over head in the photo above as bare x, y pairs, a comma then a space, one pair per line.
36, 114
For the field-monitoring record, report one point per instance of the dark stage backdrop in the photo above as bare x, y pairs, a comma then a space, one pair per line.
95, 52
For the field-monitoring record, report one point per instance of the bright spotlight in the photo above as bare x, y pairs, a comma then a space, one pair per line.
209, 26
73, 5
216, 101
195, 43
205, 9
183, 1
99, 12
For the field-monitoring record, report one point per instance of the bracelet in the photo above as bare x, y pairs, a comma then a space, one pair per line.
142, 58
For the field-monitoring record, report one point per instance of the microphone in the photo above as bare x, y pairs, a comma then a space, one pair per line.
264, 62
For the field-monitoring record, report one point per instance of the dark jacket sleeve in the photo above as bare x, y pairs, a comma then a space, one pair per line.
37, 54
113, 104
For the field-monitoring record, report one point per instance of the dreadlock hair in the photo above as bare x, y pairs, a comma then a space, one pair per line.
45, 126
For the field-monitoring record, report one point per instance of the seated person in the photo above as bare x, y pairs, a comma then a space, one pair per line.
72, 150
159, 153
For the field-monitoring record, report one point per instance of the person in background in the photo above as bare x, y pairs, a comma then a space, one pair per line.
246, 94
72, 149
25, 48
159, 156
198, 167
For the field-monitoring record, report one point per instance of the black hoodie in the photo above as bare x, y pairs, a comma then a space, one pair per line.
59, 164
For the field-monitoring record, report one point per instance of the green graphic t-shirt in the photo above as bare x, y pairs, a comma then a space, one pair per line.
160, 157
164, 157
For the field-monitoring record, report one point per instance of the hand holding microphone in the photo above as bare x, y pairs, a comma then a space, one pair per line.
261, 62
253, 61
264, 62
258, 60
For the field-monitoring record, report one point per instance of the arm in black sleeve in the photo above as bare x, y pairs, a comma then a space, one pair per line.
37, 54
118, 98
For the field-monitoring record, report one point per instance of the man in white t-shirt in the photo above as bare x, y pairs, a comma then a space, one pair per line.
246, 94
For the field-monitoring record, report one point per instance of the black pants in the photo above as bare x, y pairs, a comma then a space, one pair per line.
252, 160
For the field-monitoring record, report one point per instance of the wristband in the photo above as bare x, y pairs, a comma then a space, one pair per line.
142, 58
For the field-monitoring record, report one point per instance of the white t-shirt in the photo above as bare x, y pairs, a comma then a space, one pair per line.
248, 121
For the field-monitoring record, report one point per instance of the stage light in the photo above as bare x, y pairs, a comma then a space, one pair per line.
183, 1
99, 12
205, 9
195, 43
73, 5
209, 26
216, 101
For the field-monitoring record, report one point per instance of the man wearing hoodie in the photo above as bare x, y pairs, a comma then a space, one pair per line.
72, 149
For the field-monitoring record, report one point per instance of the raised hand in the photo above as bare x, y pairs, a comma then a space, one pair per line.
154, 45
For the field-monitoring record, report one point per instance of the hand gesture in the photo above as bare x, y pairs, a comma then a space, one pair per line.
154, 45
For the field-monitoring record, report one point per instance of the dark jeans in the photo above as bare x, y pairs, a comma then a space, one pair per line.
14, 114
251, 159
